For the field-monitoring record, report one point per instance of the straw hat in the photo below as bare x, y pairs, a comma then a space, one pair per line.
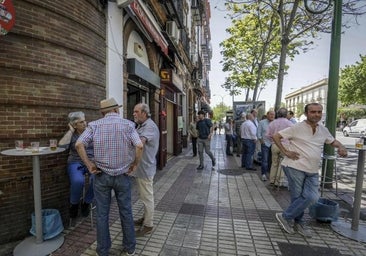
109, 104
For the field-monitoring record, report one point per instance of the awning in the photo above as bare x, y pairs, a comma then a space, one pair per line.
141, 73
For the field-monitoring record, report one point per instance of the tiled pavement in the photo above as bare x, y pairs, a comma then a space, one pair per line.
209, 213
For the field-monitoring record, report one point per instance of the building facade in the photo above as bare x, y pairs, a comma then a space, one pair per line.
315, 92
64, 56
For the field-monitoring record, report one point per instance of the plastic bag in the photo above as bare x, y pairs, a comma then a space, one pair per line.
51, 223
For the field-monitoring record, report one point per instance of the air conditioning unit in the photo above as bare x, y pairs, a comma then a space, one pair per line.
123, 3
172, 30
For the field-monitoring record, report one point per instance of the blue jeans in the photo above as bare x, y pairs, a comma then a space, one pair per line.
266, 158
303, 188
121, 185
248, 148
76, 172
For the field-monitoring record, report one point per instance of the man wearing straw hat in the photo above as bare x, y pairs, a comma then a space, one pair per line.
117, 151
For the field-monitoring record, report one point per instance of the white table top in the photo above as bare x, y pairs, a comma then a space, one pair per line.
28, 152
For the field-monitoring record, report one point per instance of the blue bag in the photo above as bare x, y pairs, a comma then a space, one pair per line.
324, 210
51, 223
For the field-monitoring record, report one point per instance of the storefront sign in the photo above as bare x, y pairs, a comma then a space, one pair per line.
169, 77
7, 16
143, 17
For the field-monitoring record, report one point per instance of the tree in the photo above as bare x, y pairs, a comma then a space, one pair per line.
352, 84
251, 51
296, 25
219, 111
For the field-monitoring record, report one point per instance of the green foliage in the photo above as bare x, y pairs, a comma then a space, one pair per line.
352, 84
219, 112
351, 113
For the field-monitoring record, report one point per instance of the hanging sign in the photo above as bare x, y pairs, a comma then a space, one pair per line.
7, 16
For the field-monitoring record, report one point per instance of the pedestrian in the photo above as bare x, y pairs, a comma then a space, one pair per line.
301, 162
117, 151
228, 126
276, 175
248, 133
76, 169
205, 129
290, 116
266, 144
194, 134
254, 113
145, 172
237, 131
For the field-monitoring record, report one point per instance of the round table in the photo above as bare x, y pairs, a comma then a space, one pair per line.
36, 245
354, 230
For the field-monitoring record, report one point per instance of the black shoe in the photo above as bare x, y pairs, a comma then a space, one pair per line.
213, 162
237, 155
251, 169
85, 209
200, 167
194, 155
73, 211
229, 154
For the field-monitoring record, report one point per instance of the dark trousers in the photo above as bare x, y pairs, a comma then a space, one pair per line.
194, 146
229, 139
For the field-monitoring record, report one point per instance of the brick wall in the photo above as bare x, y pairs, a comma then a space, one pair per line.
51, 63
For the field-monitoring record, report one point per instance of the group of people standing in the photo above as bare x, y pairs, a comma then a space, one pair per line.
112, 150
288, 149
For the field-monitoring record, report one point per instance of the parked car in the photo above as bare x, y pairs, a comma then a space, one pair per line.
357, 128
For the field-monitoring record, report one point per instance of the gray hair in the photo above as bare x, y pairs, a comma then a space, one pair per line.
146, 109
282, 112
74, 117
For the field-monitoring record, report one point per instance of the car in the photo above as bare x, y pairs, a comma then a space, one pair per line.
356, 128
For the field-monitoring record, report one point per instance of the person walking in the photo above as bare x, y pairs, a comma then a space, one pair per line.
300, 164
76, 169
276, 175
117, 151
248, 133
205, 129
266, 144
145, 172
229, 135
194, 134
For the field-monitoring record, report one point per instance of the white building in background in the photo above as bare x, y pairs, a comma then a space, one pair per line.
315, 92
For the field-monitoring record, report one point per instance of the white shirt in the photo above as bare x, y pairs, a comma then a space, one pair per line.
248, 130
308, 145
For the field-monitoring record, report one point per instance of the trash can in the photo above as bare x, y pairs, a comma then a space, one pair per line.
324, 210
51, 223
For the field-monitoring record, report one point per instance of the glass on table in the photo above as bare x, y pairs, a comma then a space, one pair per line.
19, 145
35, 146
53, 144
359, 143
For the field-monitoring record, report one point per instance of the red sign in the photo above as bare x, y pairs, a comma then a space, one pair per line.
7, 16
141, 14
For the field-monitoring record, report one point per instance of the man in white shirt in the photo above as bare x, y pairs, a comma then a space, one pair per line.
248, 134
301, 159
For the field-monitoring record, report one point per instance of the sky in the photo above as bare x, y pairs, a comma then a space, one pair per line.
306, 68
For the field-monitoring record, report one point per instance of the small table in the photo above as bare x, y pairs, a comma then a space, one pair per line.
354, 230
36, 246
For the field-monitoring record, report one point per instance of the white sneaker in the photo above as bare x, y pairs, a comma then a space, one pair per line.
264, 177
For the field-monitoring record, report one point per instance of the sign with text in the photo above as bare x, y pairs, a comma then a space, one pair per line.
7, 16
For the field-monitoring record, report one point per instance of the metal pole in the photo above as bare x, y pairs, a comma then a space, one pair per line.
333, 81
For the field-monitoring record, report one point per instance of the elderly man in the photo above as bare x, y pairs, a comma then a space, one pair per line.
265, 143
117, 151
149, 135
248, 134
301, 160
281, 122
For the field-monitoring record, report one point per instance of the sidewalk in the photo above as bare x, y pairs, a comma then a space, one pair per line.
220, 211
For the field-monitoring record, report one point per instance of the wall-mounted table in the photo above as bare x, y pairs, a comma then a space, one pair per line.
354, 230
36, 246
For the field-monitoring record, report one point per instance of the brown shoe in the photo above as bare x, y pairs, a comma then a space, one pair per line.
144, 231
139, 222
